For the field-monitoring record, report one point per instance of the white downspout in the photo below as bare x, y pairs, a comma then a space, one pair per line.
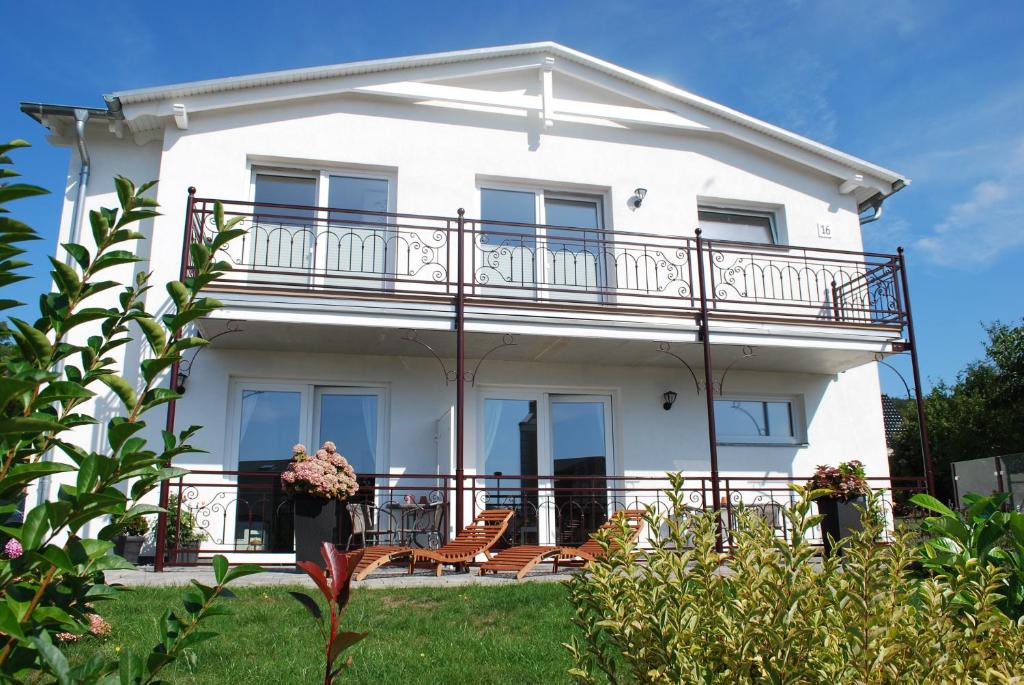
78, 209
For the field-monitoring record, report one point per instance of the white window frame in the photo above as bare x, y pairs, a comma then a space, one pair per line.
308, 414
796, 414
771, 215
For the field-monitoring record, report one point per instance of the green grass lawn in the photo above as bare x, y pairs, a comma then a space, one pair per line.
509, 635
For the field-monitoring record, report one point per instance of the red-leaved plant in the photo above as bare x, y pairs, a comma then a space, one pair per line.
340, 567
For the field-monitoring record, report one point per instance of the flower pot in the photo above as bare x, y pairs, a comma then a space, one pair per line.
129, 547
316, 521
185, 555
841, 519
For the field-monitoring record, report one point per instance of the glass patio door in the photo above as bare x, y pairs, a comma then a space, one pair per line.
574, 262
349, 418
359, 248
510, 464
546, 457
581, 455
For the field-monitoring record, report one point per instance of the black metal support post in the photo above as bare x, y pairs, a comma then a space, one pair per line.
922, 421
709, 394
460, 376
165, 486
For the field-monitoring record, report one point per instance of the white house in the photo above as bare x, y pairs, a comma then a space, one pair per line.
486, 261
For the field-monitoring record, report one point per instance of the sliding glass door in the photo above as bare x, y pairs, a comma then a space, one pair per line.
581, 461
270, 419
547, 456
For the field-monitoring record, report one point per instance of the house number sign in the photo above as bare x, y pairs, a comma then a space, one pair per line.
825, 231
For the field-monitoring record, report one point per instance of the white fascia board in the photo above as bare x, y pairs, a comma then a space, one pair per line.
277, 86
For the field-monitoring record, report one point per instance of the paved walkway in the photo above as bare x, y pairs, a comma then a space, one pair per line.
384, 578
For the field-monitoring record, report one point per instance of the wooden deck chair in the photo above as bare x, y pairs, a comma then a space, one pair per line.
476, 538
524, 557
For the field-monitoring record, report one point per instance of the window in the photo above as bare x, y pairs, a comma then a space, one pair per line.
748, 420
743, 226
561, 261
298, 236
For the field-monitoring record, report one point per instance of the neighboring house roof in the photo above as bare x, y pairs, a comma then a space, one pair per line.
150, 102
894, 423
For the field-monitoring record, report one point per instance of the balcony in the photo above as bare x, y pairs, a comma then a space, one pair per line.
343, 254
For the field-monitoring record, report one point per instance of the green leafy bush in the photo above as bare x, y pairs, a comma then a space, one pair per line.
182, 528
136, 525
983, 535
51, 575
774, 612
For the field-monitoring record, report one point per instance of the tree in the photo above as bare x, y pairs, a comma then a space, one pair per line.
51, 572
980, 415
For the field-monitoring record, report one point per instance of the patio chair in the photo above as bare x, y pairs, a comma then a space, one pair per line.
475, 539
373, 525
524, 557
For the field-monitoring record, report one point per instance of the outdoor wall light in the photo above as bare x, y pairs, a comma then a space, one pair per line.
670, 399
182, 379
638, 197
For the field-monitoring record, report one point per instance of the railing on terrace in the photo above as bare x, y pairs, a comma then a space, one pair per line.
336, 252
248, 513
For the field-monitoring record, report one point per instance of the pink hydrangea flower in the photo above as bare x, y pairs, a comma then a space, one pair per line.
299, 449
13, 549
325, 474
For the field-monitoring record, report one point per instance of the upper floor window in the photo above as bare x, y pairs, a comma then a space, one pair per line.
745, 226
296, 235
754, 420
538, 237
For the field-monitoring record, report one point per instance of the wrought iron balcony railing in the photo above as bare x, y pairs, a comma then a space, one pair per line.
248, 512
344, 253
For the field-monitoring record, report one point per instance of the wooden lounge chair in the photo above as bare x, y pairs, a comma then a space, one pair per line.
524, 557
476, 538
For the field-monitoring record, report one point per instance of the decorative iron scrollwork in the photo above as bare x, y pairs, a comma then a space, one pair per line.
746, 353
451, 375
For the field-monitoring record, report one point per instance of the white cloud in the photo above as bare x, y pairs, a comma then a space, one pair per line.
986, 224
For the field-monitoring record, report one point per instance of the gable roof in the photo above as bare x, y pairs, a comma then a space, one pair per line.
138, 99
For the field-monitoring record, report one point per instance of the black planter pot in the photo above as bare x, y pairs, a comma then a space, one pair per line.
316, 522
129, 547
841, 519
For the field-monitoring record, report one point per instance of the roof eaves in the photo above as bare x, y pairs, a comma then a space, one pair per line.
265, 79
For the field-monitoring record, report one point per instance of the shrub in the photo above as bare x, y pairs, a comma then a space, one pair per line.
182, 528
136, 525
773, 612
845, 482
960, 543
51, 575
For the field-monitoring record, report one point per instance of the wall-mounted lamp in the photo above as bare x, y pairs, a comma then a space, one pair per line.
638, 197
182, 378
670, 399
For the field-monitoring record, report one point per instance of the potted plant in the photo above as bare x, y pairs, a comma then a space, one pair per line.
317, 482
183, 533
129, 543
846, 487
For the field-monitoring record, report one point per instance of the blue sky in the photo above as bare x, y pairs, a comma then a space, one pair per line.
932, 89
